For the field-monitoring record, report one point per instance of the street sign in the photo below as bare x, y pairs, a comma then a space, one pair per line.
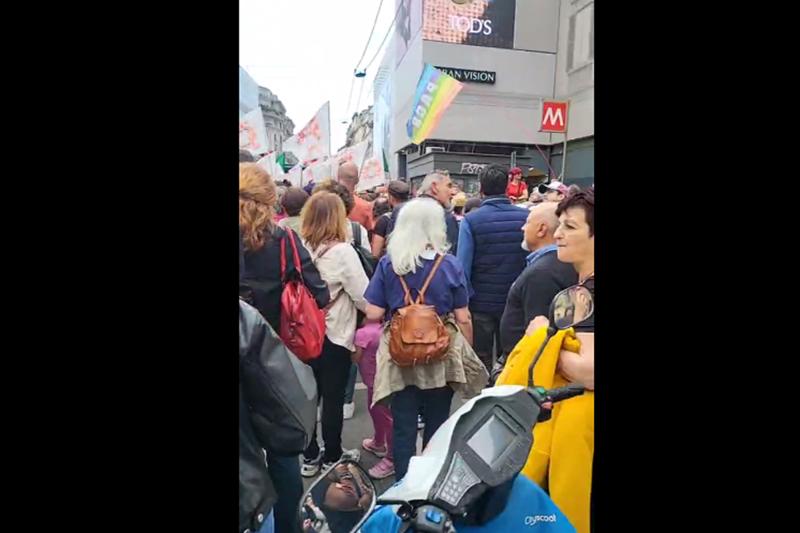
554, 116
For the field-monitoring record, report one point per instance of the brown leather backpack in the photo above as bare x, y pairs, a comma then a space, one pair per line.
417, 334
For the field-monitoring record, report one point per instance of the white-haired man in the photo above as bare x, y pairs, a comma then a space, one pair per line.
439, 187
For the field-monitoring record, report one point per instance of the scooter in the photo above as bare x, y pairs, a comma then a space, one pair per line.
467, 478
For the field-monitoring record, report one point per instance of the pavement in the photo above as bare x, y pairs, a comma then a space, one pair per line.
360, 427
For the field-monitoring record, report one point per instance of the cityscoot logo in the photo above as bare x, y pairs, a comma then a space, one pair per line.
533, 520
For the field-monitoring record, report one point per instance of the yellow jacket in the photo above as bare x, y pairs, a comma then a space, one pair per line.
560, 460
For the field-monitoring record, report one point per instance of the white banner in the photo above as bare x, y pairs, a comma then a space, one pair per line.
371, 174
314, 140
382, 125
253, 133
269, 164
354, 154
248, 93
318, 171
295, 175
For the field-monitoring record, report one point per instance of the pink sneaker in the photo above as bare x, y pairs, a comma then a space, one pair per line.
383, 469
369, 445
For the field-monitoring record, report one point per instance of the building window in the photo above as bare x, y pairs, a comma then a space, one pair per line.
581, 38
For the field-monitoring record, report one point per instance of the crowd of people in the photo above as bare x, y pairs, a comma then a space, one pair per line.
490, 266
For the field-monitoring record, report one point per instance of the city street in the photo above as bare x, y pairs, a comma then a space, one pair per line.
427, 164
360, 427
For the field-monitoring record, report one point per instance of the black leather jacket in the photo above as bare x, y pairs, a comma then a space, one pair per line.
256, 492
277, 412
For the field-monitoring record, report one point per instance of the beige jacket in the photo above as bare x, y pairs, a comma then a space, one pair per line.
290, 222
341, 269
462, 369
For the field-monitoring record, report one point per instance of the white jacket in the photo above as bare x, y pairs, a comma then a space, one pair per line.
341, 269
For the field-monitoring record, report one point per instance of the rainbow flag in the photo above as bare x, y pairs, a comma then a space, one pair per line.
435, 91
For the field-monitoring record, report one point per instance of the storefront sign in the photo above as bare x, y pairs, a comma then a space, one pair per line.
472, 168
475, 76
471, 22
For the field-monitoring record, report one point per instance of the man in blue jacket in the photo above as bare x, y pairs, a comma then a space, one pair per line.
489, 250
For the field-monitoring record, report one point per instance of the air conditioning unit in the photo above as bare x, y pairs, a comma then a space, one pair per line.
429, 149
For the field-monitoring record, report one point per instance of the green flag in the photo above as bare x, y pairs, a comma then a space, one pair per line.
281, 160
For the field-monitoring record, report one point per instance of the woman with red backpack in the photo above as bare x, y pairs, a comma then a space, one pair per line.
261, 236
261, 285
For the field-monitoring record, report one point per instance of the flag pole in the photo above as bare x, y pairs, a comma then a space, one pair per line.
329, 129
564, 150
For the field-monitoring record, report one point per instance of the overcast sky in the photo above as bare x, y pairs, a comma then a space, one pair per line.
305, 51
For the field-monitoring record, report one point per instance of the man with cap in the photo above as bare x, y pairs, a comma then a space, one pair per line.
553, 191
398, 195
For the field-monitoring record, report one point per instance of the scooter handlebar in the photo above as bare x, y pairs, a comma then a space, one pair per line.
564, 393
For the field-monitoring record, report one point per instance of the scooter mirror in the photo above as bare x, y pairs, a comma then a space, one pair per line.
572, 306
339, 500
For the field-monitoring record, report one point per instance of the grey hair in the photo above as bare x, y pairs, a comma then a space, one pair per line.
428, 182
420, 226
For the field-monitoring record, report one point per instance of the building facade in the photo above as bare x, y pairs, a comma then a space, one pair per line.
575, 83
511, 55
279, 126
360, 128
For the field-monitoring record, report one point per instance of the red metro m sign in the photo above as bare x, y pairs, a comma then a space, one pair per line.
554, 116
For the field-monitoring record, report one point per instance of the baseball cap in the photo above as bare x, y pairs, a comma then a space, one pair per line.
553, 186
398, 189
534, 172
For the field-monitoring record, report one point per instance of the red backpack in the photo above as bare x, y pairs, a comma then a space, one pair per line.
302, 322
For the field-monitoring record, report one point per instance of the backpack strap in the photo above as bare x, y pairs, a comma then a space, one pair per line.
405, 289
421, 297
298, 265
283, 259
356, 233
